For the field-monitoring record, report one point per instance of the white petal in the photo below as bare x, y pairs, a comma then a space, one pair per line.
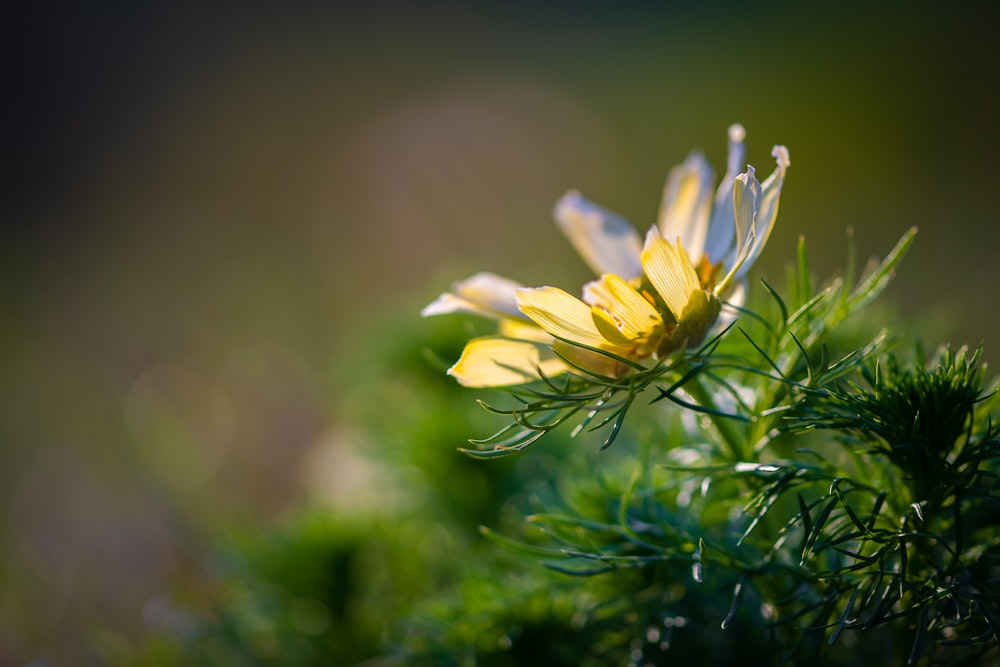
746, 203
482, 294
737, 150
605, 241
768, 211
721, 238
687, 198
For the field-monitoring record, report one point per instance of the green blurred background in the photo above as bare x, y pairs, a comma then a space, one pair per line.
207, 212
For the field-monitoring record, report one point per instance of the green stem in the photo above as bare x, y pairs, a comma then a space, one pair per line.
732, 437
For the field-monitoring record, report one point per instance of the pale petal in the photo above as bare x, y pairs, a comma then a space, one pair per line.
596, 293
737, 151
605, 241
768, 210
560, 314
482, 294
447, 303
497, 362
721, 238
670, 271
687, 197
746, 204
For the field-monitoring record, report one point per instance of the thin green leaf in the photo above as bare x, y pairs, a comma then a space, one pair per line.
835, 487
806, 521
580, 572
697, 566
877, 280
807, 307
805, 281
737, 602
920, 636
844, 617
817, 530
764, 354
518, 547
781, 304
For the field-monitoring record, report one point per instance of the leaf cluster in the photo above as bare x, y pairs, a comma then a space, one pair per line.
835, 492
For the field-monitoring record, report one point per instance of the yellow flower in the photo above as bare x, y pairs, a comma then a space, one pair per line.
649, 317
651, 299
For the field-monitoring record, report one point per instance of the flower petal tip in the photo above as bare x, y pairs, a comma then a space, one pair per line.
569, 200
748, 176
780, 154
444, 304
652, 235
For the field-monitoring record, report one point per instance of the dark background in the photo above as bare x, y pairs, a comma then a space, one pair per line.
205, 209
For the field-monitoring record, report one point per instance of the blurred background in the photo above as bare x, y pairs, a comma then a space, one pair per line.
208, 212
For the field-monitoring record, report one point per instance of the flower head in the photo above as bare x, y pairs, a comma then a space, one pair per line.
652, 298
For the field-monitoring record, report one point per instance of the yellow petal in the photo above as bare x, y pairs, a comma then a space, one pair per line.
492, 361
561, 314
613, 329
524, 330
621, 314
687, 198
670, 271
590, 361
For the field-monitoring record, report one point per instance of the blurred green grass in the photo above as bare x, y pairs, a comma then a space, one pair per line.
208, 212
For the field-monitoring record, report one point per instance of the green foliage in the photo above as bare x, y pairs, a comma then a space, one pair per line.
316, 591
842, 505
793, 492
926, 548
